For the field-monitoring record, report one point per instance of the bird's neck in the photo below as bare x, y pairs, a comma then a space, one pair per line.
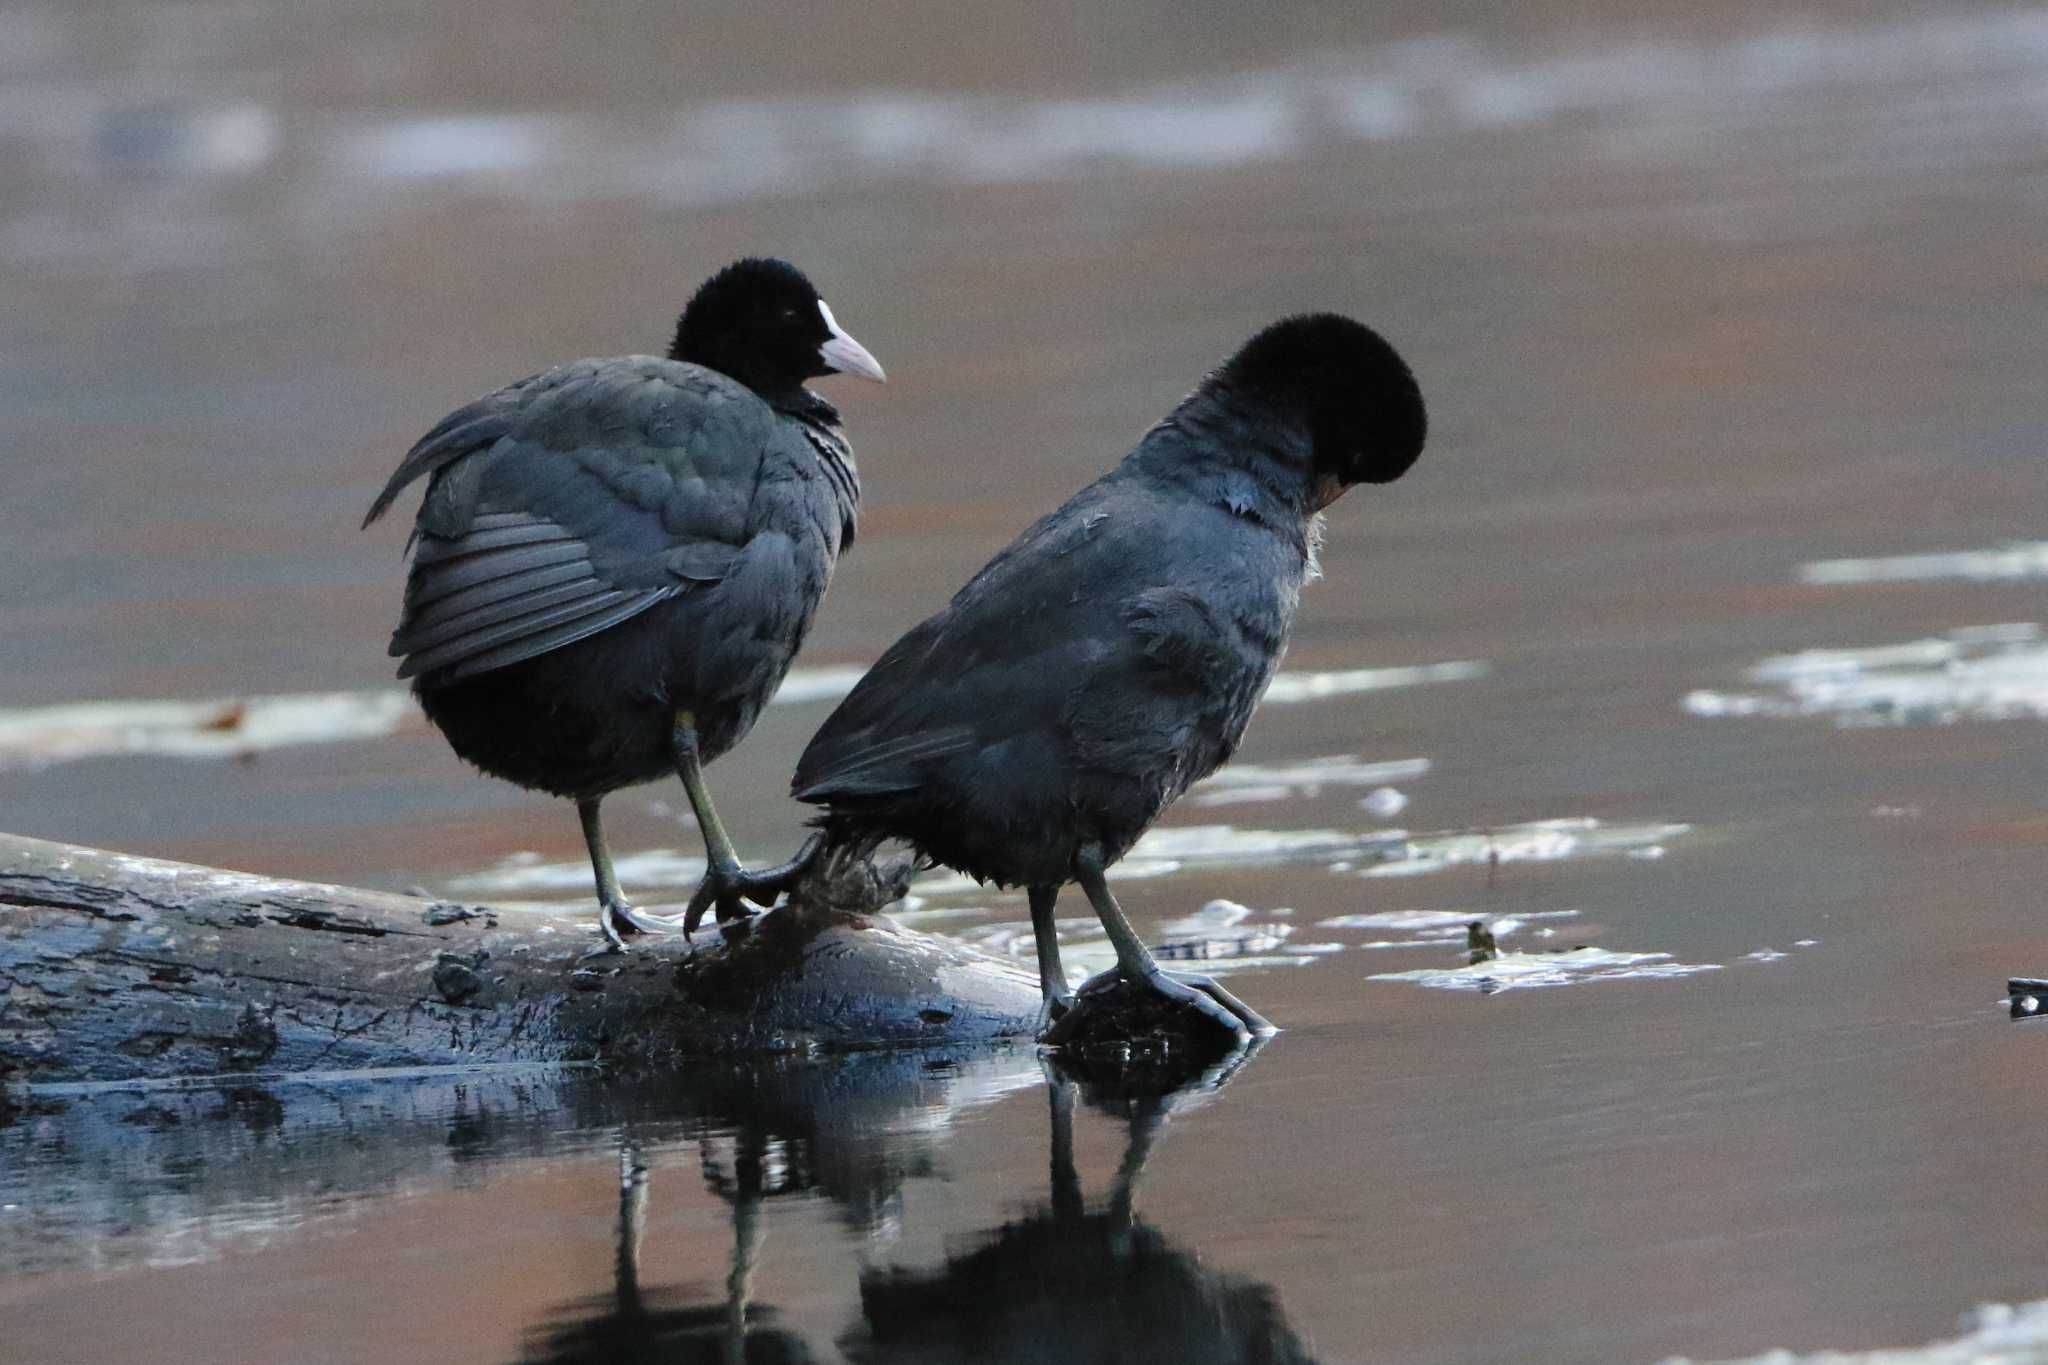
835, 456
802, 404
1235, 451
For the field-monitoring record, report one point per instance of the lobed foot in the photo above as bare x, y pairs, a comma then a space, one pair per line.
1201, 994
1055, 1008
725, 891
619, 921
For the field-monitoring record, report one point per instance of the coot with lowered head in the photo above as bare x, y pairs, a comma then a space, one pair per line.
1112, 655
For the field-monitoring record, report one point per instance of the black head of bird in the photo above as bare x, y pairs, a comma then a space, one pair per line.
761, 322
1346, 386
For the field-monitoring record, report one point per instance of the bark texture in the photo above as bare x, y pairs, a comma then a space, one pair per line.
114, 967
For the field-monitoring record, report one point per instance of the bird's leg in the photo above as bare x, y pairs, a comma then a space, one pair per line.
1067, 1203
726, 881
1052, 978
1147, 1118
748, 1158
616, 917
1134, 962
632, 1228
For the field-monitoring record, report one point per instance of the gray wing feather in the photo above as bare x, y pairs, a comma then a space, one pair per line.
515, 586
491, 604
456, 572
523, 637
490, 531
885, 766
570, 502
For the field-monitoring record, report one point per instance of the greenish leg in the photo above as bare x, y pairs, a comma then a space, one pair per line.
1136, 965
726, 881
1052, 977
718, 849
616, 917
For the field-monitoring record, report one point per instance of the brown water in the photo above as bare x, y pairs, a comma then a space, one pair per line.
1702, 300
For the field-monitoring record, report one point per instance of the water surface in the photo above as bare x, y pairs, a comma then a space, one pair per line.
1707, 630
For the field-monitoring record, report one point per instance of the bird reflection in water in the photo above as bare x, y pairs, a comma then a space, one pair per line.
667, 1323
1073, 1281
1079, 1283
834, 1129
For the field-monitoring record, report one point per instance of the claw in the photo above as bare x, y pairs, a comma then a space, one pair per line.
610, 915
619, 921
1255, 1023
726, 890
700, 901
725, 895
1054, 1009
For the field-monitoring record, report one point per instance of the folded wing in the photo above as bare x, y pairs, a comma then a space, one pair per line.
569, 503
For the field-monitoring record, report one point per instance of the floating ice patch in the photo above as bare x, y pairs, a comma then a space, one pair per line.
1178, 848
1438, 928
233, 727
944, 881
1977, 673
524, 874
458, 145
2005, 563
1169, 850
1637, 94
1222, 936
1368, 853
1518, 971
818, 684
1221, 929
1287, 688
1218, 916
921, 914
1445, 921
1383, 802
225, 727
1535, 841
1266, 782
1402, 919
1084, 949
1992, 1334
1257, 948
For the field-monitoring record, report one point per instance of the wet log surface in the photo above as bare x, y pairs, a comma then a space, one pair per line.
115, 967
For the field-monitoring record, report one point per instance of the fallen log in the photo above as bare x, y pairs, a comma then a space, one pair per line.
115, 967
